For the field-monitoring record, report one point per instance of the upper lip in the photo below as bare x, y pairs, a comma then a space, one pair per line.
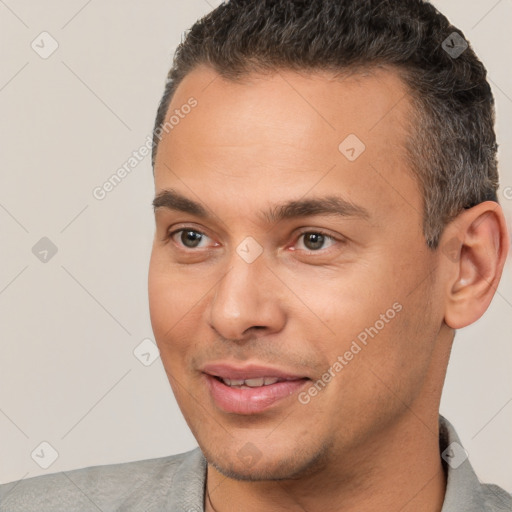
250, 371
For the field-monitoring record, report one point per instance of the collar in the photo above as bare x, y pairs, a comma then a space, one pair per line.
464, 492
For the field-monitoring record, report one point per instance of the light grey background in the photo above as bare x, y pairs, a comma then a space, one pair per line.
68, 374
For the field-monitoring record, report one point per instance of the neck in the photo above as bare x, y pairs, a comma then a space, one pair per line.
400, 470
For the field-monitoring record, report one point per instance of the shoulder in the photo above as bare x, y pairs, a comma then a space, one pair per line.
496, 499
464, 490
105, 488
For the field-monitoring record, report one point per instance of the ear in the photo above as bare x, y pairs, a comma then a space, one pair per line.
474, 248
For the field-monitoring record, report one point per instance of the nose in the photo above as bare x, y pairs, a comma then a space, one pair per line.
247, 301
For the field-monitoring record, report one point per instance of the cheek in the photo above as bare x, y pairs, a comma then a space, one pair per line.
391, 366
350, 303
174, 304
375, 329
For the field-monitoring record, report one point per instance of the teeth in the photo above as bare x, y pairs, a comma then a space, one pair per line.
251, 383
254, 383
234, 382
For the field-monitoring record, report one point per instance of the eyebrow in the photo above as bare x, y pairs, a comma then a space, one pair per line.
328, 205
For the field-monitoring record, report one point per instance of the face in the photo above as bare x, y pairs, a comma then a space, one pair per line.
292, 295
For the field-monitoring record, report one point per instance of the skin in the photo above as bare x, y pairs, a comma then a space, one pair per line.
357, 443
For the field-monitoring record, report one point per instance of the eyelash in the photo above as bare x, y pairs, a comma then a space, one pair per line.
171, 235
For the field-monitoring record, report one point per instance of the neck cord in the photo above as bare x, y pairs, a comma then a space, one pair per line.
210, 500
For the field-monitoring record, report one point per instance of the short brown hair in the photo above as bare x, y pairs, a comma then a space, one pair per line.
452, 148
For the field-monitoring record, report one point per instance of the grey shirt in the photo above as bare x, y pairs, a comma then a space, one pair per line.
176, 483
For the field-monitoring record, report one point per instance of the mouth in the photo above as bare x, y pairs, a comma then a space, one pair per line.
251, 383
251, 389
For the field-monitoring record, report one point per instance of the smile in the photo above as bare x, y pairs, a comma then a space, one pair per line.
251, 383
252, 396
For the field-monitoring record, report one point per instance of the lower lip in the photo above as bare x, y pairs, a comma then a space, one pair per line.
251, 400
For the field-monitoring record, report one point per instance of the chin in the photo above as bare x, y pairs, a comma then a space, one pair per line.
249, 464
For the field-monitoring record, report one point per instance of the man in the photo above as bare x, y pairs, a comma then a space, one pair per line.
326, 218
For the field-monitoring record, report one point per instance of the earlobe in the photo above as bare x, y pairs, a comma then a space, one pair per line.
474, 248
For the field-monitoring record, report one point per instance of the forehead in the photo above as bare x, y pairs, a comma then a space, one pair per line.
287, 133
375, 100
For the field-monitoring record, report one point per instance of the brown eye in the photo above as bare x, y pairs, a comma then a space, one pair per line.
316, 241
313, 241
189, 238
